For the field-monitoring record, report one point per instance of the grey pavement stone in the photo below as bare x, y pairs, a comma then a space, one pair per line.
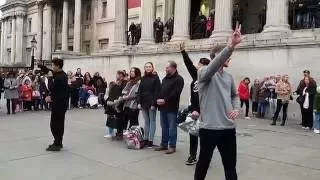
264, 152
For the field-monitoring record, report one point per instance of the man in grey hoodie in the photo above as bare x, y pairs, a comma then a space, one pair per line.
219, 105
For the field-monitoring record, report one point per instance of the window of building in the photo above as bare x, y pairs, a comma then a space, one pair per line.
87, 47
9, 54
70, 48
88, 13
60, 17
10, 27
103, 43
29, 25
104, 9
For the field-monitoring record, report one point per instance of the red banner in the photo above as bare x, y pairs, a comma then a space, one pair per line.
134, 3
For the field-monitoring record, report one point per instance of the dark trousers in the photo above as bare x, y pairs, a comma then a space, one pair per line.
307, 117
27, 105
57, 123
74, 97
284, 109
226, 142
11, 102
246, 102
254, 107
36, 104
129, 116
193, 146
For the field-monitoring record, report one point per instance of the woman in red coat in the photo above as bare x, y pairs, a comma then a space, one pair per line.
27, 95
244, 94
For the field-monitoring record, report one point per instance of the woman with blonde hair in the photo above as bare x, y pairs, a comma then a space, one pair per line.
283, 91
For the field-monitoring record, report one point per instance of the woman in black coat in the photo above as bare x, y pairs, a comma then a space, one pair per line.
307, 90
148, 92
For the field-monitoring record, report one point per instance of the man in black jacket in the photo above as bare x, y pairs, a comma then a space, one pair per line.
194, 107
168, 102
59, 98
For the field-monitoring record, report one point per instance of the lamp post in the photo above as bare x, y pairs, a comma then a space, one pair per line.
33, 46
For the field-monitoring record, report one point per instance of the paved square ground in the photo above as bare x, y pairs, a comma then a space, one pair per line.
264, 152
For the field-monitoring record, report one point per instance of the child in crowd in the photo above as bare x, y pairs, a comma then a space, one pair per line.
316, 124
27, 95
92, 100
263, 98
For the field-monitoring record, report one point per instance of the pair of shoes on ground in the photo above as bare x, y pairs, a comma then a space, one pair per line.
54, 147
148, 144
191, 161
317, 131
167, 150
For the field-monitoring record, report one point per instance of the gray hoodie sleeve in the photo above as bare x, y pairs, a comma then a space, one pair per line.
205, 73
235, 101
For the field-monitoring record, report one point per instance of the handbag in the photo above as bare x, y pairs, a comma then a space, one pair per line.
190, 126
35, 94
112, 121
300, 99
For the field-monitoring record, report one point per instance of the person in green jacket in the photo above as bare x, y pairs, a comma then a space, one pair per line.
316, 124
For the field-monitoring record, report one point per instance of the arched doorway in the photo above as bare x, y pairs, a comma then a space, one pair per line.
251, 14
304, 14
201, 12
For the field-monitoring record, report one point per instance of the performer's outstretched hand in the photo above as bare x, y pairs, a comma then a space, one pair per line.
236, 37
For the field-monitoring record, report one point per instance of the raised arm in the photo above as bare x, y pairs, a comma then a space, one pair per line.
206, 73
189, 64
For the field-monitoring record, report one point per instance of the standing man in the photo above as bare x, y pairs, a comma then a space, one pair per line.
59, 99
133, 31
168, 102
219, 104
158, 30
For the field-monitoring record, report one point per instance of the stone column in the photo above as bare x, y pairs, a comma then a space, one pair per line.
2, 40
277, 16
121, 23
181, 20
40, 30
64, 44
4, 47
13, 41
223, 18
54, 29
169, 12
77, 26
48, 30
19, 40
148, 17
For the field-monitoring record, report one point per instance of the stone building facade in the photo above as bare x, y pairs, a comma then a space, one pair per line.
91, 34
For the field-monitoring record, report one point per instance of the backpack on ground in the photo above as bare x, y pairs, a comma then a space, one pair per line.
134, 137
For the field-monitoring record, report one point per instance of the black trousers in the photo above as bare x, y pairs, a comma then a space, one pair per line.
254, 107
193, 146
11, 102
225, 140
246, 102
74, 97
129, 116
307, 117
27, 105
284, 110
57, 123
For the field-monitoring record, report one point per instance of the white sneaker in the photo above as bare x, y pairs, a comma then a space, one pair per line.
247, 118
317, 131
108, 136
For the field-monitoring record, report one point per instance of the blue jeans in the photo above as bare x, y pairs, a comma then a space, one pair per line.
316, 121
262, 108
149, 123
169, 128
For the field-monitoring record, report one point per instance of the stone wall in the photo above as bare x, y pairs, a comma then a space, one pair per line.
253, 63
